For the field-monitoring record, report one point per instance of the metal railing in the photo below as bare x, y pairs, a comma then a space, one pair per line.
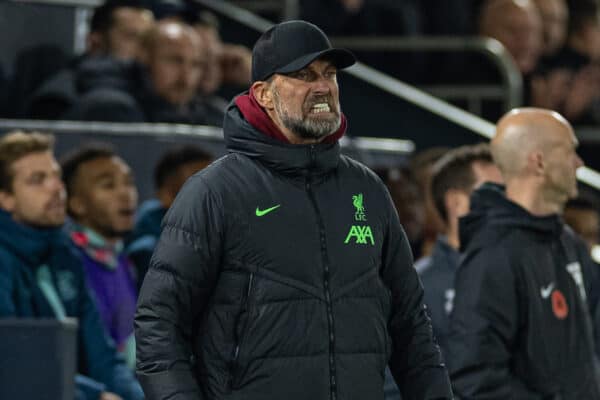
143, 144
510, 91
210, 133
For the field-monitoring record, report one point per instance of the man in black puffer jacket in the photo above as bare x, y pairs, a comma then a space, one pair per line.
282, 271
525, 289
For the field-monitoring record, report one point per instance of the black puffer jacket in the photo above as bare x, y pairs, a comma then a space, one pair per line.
520, 327
273, 280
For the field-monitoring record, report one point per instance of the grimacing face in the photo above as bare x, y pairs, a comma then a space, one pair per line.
38, 196
307, 101
104, 196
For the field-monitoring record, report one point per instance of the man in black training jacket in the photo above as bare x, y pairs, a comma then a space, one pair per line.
520, 328
282, 271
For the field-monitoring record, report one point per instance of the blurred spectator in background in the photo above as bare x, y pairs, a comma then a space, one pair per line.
170, 173
165, 89
175, 57
549, 86
117, 28
102, 199
114, 39
408, 200
518, 26
229, 66
582, 215
555, 24
40, 276
454, 177
421, 165
579, 58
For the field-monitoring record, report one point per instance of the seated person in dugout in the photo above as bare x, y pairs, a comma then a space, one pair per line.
454, 177
102, 198
170, 173
40, 276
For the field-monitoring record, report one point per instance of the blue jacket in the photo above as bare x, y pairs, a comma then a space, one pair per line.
437, 274
142, 241
23, 252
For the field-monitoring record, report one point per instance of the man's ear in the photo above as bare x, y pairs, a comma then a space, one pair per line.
536, 162
8, 201
76, 206
456, 202
263, 94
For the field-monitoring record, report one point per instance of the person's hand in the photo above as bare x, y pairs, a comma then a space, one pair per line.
236, 64
585, 87
550, 91
109, 396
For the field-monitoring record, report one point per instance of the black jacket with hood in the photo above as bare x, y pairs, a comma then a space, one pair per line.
520, 328
282, 272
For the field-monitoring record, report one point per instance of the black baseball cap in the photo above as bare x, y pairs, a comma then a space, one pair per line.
292, 45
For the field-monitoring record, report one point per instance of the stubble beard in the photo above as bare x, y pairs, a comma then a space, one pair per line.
307, 127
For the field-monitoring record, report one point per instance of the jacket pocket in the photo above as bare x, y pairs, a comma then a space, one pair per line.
240, 333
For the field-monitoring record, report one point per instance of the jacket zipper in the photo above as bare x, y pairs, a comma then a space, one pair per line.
325, 260
239, 339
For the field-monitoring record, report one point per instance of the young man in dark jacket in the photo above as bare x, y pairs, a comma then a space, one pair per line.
453, 179
40, 277
520, 328
282, 270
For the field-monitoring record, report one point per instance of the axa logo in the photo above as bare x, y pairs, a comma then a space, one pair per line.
361, 234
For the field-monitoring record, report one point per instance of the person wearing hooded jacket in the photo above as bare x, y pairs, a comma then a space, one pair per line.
525, 289
282, 270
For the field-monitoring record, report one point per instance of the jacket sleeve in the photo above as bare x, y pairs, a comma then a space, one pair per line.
415, 362
98, 353
483, 329
182, 273
87, 388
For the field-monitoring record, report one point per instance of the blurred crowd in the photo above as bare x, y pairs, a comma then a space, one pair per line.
164, 61
142, 63
555, 44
